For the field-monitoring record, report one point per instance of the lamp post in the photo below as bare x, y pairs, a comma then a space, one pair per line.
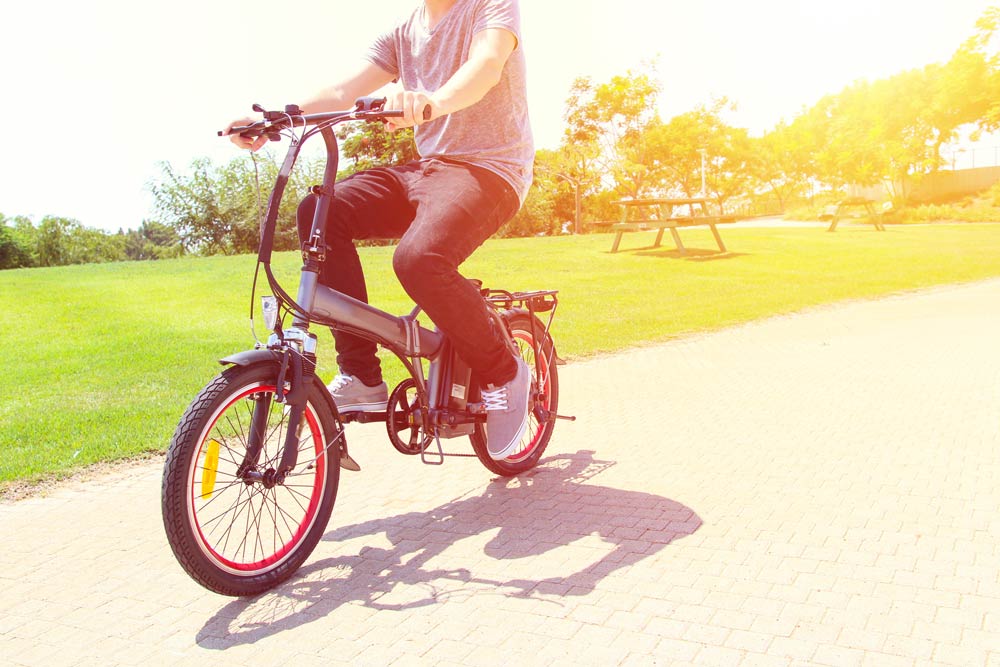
576, 194
954, 154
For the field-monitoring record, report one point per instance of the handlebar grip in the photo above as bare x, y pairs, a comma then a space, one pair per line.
239, 129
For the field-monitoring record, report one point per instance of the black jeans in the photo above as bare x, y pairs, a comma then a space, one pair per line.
441, 211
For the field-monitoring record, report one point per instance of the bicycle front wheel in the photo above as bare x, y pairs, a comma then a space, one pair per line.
230, 525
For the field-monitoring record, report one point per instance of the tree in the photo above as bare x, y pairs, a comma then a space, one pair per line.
368, 145
607, 122
563, 185
728, 155
14, 253
61, 241
88, 245
872, 132
211, 209
680, 148
215, 209
52, 244
891, 130
779, 163
535, 217
153, 240
984, 45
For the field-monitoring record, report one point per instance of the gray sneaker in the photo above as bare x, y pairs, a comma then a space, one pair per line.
507, 413
351, 394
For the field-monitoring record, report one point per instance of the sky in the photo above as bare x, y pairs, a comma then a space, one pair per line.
96, 95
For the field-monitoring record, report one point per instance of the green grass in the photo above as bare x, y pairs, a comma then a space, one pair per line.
101, 360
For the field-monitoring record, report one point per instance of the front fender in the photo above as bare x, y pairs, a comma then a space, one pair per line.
250, 357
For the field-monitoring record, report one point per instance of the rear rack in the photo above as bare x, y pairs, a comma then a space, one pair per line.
539, 301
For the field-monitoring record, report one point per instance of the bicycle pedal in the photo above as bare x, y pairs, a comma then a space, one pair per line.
362, 417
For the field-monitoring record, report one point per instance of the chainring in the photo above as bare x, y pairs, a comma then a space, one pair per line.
403, 420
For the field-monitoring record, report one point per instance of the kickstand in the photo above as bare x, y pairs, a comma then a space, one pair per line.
433, 459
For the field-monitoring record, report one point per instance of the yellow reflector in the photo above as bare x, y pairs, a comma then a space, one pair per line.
211, 467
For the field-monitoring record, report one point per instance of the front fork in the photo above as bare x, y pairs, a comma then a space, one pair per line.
298, 366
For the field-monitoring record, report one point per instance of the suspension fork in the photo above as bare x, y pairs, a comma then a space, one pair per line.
301, 378
258, 426
296, 369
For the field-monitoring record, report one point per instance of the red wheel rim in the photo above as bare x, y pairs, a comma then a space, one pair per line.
254, 507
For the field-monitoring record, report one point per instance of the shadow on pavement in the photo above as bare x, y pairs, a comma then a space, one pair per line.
532, 515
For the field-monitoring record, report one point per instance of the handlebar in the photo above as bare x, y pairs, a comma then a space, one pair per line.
366, 108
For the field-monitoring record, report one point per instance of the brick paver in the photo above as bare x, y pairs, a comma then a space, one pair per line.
819, 489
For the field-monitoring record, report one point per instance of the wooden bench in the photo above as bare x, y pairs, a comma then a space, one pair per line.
835, 213
698, 218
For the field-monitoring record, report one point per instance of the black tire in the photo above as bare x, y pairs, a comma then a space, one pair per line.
242, 538
544, 393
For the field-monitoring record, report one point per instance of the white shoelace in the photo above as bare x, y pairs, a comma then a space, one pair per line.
496, 399
340, 382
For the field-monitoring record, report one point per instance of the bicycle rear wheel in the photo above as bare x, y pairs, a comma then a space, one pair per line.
239, 534
532, 343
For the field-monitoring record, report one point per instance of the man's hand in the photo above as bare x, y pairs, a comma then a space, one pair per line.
412, 103
244, 142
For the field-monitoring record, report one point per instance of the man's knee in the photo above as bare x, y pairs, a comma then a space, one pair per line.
415, 266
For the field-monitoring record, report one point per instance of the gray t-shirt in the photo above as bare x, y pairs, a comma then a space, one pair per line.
494, 133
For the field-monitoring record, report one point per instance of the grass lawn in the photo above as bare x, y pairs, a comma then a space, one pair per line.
101, 360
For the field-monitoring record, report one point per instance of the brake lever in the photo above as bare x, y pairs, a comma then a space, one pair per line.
270, 117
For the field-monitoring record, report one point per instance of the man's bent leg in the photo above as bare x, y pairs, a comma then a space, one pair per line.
368, 205
458, 207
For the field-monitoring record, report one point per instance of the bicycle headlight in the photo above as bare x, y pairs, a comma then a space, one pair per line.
269, 305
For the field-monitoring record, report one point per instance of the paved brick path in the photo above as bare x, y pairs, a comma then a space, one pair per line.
817, 489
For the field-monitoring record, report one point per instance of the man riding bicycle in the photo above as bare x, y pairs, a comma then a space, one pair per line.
461, 70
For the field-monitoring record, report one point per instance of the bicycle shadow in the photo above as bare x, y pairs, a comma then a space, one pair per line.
538, 513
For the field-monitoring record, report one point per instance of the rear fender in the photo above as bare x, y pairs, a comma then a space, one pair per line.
511, 312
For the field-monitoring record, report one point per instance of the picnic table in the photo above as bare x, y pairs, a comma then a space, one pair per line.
662, 217
835, 213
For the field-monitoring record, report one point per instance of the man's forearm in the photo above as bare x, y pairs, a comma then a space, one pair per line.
328, 99
366, 79
467, 86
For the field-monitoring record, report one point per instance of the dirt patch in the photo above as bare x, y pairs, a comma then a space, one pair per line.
18, 490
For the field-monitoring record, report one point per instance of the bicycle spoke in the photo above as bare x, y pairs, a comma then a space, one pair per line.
218, 493
294, 495
284, 516
256, 521
242, 546
236, 506
226, 534
270, 503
